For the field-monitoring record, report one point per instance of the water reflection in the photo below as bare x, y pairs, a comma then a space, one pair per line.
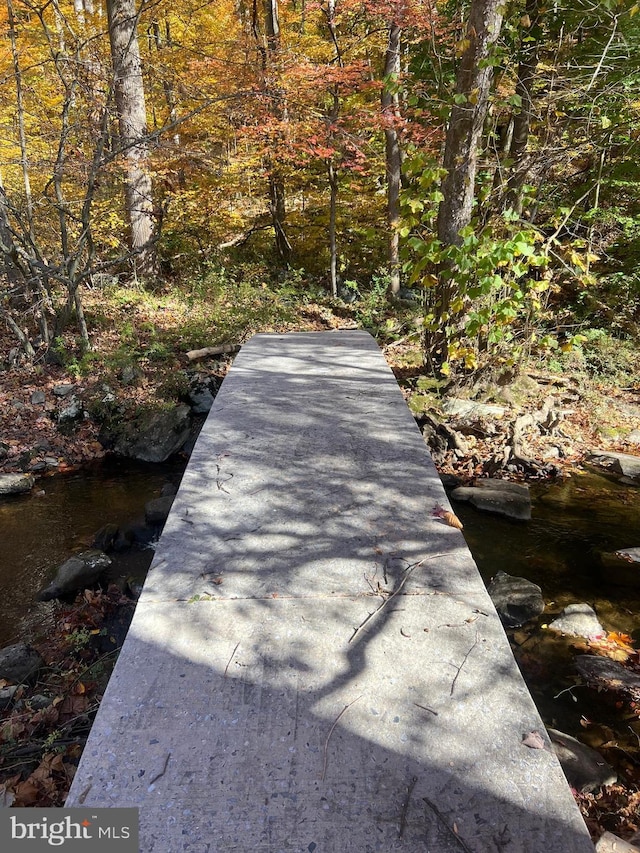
39, 532
572, 522
559, 548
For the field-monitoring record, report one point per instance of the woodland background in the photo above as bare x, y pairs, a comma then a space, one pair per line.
175, 174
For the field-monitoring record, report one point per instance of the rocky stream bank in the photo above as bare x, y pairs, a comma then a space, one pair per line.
488, 454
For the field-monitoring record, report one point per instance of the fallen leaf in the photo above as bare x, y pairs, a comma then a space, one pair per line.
534, 740
27, 793
452, 520
447, 516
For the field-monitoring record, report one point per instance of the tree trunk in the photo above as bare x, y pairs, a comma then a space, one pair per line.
269, 51
393, 156
22, 135
522, 120
332, 165
130, 104
467, 119
333, 246
462, 142
277, 208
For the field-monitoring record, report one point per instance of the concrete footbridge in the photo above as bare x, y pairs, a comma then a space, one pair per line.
314, 664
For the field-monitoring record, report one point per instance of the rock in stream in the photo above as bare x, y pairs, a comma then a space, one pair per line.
77, 573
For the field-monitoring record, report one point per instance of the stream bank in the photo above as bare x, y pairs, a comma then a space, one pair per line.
567, 514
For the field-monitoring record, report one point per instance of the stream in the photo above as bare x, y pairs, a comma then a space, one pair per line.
573, 520
41, 530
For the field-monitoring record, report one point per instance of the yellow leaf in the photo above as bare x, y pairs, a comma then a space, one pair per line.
452, 520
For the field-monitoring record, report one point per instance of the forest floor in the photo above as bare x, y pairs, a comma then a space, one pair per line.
139, 351
40, 744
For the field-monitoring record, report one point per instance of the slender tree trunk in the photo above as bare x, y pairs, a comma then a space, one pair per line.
473, 83
12, 267
22, 134
462, 144
167, 85
333, 244
130, 104
393, 156
270, 52
522, 120
332, 166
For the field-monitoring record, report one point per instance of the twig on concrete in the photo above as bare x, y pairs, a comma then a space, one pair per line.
162, 771
391, 596
424, 708
405, 807
230, 659
220, 482
444, 823
335, 723
83, 795
464, 660
374, 591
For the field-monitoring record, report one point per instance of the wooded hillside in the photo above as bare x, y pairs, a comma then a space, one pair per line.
482, 154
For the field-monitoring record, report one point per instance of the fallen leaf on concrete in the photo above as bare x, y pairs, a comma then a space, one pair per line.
447, 516
534, 740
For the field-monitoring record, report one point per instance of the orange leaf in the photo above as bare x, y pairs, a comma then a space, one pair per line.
447, 516
452, 519
27, 793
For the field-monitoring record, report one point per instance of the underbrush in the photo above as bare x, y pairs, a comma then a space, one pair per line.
44, 728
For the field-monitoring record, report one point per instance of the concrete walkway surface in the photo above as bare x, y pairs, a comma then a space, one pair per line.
314, 664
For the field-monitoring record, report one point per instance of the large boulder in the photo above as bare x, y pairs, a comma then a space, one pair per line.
621, 567
19, 662
624, 465
585, 769
153, 436
578, 620
77, 573
15, 484
497, 496
517, 600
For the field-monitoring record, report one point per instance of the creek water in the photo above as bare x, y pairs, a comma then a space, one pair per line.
41, 530
573, 521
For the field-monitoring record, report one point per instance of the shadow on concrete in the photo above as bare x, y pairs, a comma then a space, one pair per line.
315, 664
